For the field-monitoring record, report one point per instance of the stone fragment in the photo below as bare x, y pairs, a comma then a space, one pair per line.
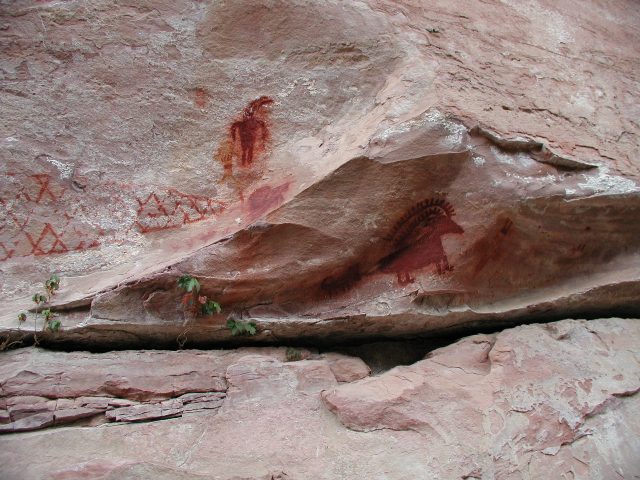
73, 414
345, 368
31, 422
146, 412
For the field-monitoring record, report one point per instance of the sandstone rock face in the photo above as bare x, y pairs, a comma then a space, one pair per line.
42, 388
326, 169
557, 400
329, 171
542, 401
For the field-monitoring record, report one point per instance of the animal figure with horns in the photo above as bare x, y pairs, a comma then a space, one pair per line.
417, 239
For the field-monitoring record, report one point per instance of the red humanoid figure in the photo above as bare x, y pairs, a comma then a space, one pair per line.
251, 128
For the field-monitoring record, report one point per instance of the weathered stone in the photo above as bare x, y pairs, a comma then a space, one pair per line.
31, 378
345, 368
330, 170
537, 401
102, 375
31, 422
73, 414
153, 411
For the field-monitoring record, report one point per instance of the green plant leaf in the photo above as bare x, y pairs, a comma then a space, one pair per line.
53, 283
188, 283
211, 307
54, 326
241, 328
38, 298
251, 328
22, 317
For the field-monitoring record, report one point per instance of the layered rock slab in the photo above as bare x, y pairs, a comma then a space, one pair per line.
538, 401
41, 389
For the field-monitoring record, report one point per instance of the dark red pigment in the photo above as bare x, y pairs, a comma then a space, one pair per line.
417, 239
201, 97
343, 281
252, 131
492, 248
267, 198
174, 209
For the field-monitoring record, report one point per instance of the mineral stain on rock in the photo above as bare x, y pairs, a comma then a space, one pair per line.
267, 198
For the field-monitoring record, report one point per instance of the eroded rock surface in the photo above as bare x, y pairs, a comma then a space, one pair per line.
539, 401
41, 388
326, 169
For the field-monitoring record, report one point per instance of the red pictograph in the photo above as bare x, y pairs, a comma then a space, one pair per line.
49, 241
417, 240
37, 219
40, 216
252, 131
45, 190
172, 209
200, 97
246, 141
5, 253
38, 189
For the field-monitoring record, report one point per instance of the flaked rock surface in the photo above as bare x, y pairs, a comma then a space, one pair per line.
555, 400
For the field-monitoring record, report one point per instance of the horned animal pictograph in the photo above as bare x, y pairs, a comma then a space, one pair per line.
251, 129
417, 239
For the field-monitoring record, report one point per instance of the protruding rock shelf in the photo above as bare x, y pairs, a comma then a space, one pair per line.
326, 169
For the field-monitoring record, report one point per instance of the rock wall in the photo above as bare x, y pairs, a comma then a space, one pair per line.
329, 171
487, 407
407, 167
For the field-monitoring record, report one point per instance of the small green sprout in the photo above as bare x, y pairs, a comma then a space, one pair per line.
38, 298
209, 307
241, 328
54, 326
293, 354
189, 284
52, 285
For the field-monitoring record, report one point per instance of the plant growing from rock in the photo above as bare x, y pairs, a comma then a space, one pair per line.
239, 327
49, 323
39, 300
194, 303
191, 286
52, 285
293, 354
